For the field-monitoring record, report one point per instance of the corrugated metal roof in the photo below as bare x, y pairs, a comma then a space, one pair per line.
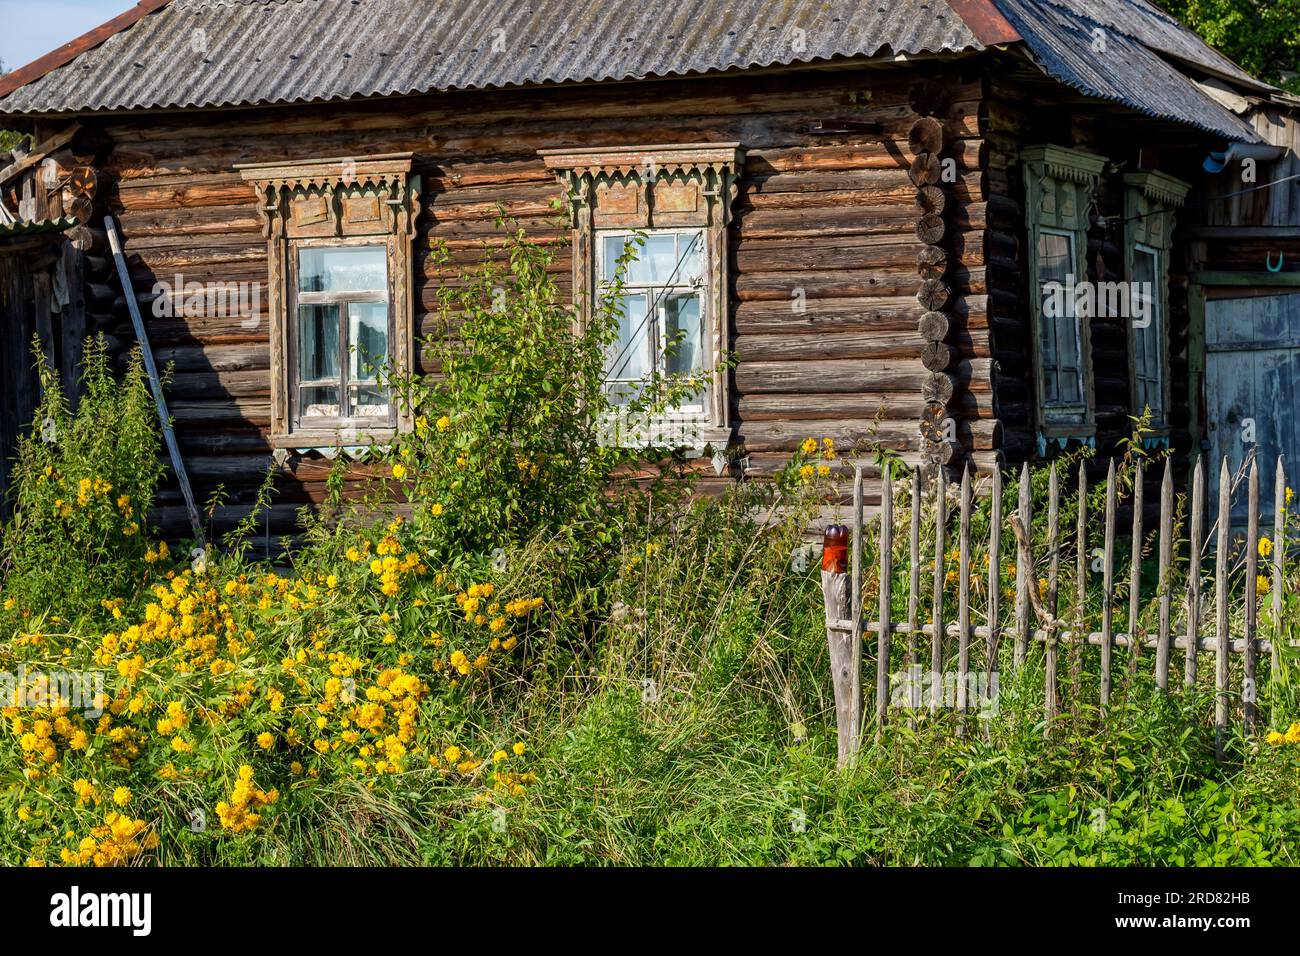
1115, 65
228, 52
1154, 28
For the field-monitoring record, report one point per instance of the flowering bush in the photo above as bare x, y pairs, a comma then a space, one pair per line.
84, 483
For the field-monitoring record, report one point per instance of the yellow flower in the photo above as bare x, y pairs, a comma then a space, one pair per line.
518, 748
443, 423
451, 754
809, 446
399, 471
1265, 547
122, 796
265, 740
436, 510
499, 756
1262, 584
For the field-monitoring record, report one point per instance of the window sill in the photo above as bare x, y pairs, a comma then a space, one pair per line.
339, 438
691, 436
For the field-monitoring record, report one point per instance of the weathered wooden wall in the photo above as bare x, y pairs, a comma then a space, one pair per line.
827, 216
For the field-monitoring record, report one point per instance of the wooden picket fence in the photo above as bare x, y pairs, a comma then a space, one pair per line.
1040, 618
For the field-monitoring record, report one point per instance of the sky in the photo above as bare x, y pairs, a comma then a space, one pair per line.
30, 28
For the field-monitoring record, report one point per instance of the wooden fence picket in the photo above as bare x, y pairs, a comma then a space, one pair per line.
1108, 589
1164, 574
995, 579
884, 633
940, 580
1195, 543
1221, 608
1050, 698
963, 595
1252, 597
914, 594
1024, 569
1135, 571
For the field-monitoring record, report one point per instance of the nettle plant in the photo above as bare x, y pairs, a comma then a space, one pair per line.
84, 483
512, 439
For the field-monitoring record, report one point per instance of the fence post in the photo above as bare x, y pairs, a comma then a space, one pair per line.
1279, 556
914, 595
1252, 597
1024, 569
855, 586
839, 635
1221, 610
936, 606
963, 599
995, 579
1166, 545
1050, 701
1108, 588
1135, 570
1080, 587
886, 563
1194, 574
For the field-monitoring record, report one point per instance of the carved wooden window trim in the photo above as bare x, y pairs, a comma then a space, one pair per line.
371, 200
1060, 187
624, 188
1151, 202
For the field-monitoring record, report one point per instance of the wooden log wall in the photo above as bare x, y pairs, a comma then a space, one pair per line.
826, 257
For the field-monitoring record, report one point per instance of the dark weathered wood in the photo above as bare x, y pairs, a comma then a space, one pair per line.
925, 136
1248, 688
1166, 548
934, 326
886, 593
1195, 543
1221, 600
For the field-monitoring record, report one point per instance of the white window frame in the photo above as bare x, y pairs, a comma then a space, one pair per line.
700, 286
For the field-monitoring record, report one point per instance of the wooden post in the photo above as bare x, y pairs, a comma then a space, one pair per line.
1135, 570
1166, 545
995, 579
1279, 557
1221, 610
914, 595
886, 565
1194, 574
1252, 598
839, 636
1050, 699
856, 592
1024, 570
963, 598
155, 383
936, 605
1108, 588
1080, 585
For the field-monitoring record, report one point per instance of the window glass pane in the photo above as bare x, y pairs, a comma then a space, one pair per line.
630, 355
611, 248
690, 248
342, 269
318, 343
367, 339
657, 262
368, 401
1055, 257
319, 402
1148, 328
683, 339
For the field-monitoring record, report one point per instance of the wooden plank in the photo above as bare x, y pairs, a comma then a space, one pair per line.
995, 579
1248, 689
963, 596
837, 604
1108, 589
883, 634
936, 603
1050, 692
1279, 555
1165, 572
856, 590
914, 593
1221, 611
1135, 563
1195, 543
1081, 582
1024, 569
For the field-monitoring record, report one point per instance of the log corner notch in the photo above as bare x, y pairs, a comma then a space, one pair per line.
925, 140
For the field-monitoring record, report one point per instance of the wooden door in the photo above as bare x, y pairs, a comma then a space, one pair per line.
1252, 383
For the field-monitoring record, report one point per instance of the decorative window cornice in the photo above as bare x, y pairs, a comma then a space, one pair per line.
1061, 163
1159, 187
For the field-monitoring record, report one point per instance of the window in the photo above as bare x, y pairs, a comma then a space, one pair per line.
672, 204
342, 336
661, 314
1151, 200
1059, 334
1148, 335
339, 236
1060, 185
